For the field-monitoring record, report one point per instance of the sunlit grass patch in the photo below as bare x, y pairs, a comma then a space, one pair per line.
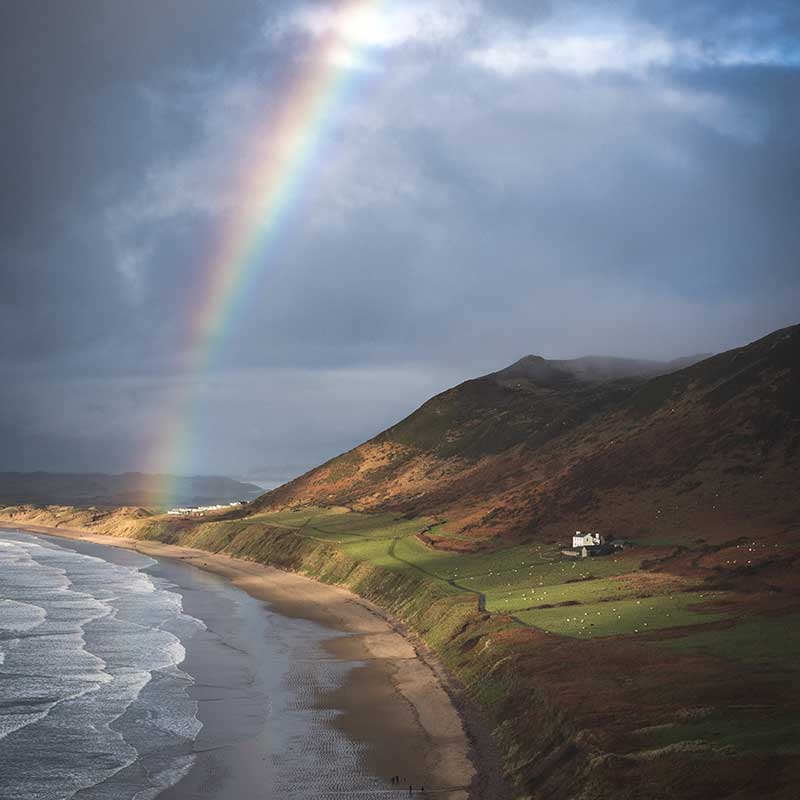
631, 616
372, 526
516, 572
511, 580
291, 518
477, 566
550, 581
340, 525
380, 553
375, 552
510, 596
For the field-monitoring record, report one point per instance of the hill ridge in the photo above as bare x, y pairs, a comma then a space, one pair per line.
500, 459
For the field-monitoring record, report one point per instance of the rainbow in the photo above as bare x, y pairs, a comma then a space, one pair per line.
281, 155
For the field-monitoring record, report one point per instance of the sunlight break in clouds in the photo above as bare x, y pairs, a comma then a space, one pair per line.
379, 25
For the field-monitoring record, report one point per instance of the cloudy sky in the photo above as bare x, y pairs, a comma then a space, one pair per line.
499, 178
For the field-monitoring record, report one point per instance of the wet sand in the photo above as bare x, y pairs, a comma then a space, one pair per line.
391, 701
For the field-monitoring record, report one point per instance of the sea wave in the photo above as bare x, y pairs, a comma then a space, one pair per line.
89, 660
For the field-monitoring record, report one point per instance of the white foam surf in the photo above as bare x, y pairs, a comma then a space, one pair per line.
81, 639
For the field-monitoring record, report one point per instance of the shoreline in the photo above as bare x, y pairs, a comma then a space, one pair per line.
456, 741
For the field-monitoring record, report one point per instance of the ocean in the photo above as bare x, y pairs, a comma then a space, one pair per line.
93, 703
129, 678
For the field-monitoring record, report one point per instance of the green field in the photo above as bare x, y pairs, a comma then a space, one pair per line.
534, 583
340, 526
613, 618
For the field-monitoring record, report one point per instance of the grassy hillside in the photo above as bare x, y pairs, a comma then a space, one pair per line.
707, 451
678, 652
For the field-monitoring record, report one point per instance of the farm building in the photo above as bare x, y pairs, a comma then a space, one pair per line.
583, 539
591, 544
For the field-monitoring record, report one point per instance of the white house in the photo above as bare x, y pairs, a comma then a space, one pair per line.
586, 539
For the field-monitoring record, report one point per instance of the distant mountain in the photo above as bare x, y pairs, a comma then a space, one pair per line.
588, 368
705, 447
127, 489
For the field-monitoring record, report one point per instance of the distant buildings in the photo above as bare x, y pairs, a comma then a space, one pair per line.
200, 510
587, 539
591, 544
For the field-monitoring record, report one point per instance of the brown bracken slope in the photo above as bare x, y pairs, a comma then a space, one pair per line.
709, 450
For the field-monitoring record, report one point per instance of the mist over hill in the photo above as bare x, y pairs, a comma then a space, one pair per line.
704, 445
588, 368
126, 489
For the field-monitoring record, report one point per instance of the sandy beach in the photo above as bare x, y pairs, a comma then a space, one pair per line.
398, 702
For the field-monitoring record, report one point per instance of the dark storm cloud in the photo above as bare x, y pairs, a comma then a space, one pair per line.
72, 77
77, 133
506, 177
